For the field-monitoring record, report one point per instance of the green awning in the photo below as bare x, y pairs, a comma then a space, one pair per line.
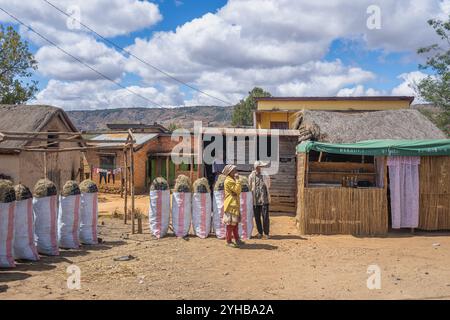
439, 147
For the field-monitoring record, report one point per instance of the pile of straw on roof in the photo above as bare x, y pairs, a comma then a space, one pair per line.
349, 127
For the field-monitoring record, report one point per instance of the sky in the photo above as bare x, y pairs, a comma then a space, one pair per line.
213, 52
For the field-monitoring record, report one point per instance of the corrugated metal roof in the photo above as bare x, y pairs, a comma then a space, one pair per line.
141, 138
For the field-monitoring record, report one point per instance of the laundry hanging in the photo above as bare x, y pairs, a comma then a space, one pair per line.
404, 187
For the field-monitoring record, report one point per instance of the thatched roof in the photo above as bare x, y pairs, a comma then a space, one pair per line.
29, 118
348, 127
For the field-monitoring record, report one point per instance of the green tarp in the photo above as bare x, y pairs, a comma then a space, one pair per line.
381, 147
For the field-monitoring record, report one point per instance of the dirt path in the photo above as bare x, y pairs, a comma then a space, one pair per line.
285, 267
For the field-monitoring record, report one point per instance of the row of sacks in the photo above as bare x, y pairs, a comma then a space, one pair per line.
187, 206
42, 222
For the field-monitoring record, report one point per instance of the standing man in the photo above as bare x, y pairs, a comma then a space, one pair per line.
260, 185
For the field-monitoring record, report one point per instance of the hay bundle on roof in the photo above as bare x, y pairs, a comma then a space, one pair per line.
220, 183
44, 188
349, 127
88, 186
182, 184
7, 193
22, 192
70, 188
201, 186
244, 184
159, 184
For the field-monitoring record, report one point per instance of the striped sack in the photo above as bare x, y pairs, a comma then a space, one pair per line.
201, 214
24, 246
181, 213
219, 227
69, 222
7, 235
46, 225
89, 218
246, 224
159, 212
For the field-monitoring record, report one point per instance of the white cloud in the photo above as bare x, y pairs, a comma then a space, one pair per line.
108, 17
276, 44
235, 49
101, 94
359, 91
57, 65
406, 88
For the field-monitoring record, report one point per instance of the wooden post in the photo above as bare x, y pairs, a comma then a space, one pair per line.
125, 163
132, 188
191, 170
45, 165
167, 170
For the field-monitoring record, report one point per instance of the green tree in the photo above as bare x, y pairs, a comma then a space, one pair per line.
243, 111
16, 66
436, 88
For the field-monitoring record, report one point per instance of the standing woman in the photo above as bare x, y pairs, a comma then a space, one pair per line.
232, 215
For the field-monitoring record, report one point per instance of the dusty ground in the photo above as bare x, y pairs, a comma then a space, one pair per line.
285, 267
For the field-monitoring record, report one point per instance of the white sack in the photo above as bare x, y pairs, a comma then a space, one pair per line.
7, 235
89, 218
69, 222
246, 224
181, 213
201, 214
46, 225
219, 227
159, 214
24, 246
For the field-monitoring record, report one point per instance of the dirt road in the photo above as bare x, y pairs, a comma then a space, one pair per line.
287, 266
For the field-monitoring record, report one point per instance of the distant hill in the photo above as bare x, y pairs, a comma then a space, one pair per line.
212, 116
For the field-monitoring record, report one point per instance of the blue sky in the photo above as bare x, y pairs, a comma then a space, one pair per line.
225, 48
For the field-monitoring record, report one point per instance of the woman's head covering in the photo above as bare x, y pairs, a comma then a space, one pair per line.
228, 169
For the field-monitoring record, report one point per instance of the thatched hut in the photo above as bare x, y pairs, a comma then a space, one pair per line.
28, 167
346, 127
342, 183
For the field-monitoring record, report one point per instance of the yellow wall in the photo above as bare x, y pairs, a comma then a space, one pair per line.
333, 105
274, 109
264, 118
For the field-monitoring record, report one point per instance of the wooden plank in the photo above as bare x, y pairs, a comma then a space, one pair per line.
341, 166
344, 211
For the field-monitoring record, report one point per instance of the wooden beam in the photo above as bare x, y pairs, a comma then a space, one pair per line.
45, 165
13, 138
133, 227
125, 163
40, 133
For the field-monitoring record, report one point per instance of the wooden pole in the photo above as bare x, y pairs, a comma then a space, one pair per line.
45, 165
133, 227
125, 163
167, 169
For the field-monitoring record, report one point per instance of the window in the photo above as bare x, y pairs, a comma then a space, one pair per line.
52, 144
107, 162
282, 125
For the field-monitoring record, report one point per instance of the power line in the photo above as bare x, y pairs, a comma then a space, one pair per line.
79, 60
136, 57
